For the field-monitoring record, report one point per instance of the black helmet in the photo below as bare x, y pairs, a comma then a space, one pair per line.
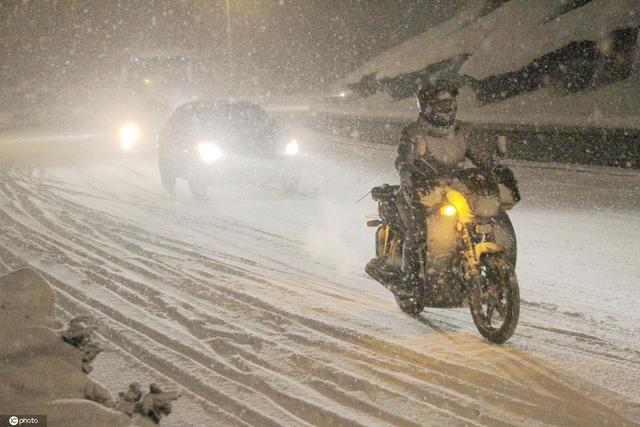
437, 102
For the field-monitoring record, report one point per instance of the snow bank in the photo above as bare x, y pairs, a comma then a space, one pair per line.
512, 47
507, 39
415, 53
465, 33
41, 374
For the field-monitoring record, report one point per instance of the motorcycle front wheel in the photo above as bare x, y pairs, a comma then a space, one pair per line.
512, 252
409, 305
494, 299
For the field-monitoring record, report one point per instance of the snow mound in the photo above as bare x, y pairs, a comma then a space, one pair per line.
468, 32
41, 373
487, 39
26, 301
511, 48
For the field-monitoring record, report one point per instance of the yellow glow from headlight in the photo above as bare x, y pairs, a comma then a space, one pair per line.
448, 210
209, 152
461, 204
292, 148
148, 82
129, 135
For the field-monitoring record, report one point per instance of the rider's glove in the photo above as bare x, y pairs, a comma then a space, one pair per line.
505, 176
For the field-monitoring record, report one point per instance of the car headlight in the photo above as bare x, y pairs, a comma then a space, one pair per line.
209, 152
292, 148
129, 135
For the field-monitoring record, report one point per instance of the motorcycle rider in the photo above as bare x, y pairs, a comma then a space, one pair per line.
432, 147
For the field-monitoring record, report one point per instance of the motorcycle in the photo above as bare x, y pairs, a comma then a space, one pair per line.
467, 254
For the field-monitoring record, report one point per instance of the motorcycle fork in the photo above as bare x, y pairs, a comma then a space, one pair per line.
423, 260
386, 239
468, 250
389, 244
473, 252
382, 240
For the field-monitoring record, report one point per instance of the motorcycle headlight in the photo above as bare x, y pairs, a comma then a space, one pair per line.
292, 148
458, 205
129, 135
209, 153
448, 210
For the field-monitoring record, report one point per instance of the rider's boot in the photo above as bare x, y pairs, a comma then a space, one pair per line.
379, 269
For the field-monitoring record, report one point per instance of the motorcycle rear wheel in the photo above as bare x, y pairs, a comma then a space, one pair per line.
495, 294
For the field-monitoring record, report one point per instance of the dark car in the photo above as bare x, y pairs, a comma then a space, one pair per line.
209, 142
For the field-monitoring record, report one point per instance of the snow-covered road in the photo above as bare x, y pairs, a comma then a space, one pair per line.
255, 304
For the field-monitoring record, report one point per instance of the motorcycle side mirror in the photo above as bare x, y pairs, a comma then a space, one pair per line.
501, 144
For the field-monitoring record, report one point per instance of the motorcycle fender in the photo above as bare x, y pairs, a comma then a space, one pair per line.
487, 248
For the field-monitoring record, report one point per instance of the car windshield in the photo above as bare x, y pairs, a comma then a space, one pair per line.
243, 123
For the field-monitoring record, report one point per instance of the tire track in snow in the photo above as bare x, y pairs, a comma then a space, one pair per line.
318, 381
305, 409
326, 416
158, 337
391, 417
136, 368
340, 335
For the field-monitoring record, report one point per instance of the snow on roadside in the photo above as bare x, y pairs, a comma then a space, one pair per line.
469, 33
507, 39
41, 373
507, 50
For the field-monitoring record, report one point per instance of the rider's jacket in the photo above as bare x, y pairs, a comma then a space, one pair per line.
437, 151
427, 153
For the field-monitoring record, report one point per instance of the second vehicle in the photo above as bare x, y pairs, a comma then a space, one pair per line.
206, 142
